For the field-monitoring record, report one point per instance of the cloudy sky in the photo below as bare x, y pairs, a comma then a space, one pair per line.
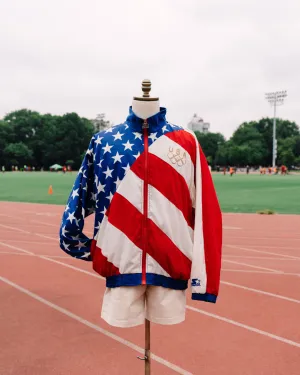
215, 58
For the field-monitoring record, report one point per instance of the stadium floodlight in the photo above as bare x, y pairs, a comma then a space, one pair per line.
275, 99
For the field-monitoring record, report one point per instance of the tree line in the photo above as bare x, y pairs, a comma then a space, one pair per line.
30, 138
252, 144
40, 140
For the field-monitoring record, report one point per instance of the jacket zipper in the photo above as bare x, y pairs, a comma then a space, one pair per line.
145, 207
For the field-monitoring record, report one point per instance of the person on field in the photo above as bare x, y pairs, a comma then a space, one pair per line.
283, 170
3, 169
231, 171
247, 169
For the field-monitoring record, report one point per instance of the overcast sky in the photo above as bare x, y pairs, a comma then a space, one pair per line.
215, 58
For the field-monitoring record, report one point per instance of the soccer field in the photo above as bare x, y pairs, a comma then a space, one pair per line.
239, 193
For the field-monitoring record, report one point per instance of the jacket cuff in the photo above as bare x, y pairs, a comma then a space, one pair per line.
206, 297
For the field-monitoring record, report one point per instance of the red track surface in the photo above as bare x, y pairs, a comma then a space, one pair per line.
50, 305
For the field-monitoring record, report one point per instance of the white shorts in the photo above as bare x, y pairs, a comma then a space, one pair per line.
128, 306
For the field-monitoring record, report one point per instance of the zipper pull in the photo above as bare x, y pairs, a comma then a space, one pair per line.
145, 124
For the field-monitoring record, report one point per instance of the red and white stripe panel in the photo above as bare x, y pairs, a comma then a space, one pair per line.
170, 217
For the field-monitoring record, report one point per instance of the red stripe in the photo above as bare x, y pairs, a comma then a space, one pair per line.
160, 246
163, 250
124, 216
100, 263
212, 228
186, 140
168, 182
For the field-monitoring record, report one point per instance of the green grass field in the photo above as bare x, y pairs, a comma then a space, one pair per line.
240, 193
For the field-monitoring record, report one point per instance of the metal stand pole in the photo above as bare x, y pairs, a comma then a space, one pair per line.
147, 347
146, 358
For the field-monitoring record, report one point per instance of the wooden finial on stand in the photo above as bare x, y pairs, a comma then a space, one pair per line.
146, 88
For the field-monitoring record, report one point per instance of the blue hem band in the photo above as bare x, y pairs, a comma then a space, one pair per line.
133, 279
207, 297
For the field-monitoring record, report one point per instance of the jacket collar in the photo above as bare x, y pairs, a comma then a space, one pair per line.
155, 122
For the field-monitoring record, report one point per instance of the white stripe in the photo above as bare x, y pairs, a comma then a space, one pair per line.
81, 320
154, 267
118, 248
161, 148
176, 228
160, 210
198, 262
131, 188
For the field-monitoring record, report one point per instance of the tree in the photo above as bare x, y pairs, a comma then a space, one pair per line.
287, 158
210, 143
69, 140
255, 142
5, 138
18, 153
48, 139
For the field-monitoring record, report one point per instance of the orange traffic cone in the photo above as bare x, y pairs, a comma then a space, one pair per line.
50, 190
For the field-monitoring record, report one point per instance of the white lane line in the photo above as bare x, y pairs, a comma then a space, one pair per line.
249, 328
261, 292
72, 267
56, 256
268, 238
14, 228
262, 257
265, 272
261, 251
27, 232
274, 247
16, 248
97, 328
250, 265
43, 223
290, 342
32, 242
37, 234
12, 253
252, 271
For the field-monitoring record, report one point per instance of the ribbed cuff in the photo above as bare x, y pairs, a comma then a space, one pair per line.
207, 297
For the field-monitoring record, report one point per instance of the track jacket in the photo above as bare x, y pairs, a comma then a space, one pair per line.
157, 216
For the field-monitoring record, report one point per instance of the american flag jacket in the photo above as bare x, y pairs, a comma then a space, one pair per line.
157, 216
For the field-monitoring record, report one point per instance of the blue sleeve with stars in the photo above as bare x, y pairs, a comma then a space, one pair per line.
81, 203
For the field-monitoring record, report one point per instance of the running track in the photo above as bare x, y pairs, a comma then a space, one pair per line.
50, 305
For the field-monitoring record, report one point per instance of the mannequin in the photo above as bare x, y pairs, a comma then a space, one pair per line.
145, 106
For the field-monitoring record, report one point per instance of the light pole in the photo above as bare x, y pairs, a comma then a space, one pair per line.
275, 99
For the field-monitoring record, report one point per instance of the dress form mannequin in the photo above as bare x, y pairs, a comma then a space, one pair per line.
145, 106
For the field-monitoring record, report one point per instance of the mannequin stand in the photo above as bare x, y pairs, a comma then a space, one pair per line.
147, 355
145, 107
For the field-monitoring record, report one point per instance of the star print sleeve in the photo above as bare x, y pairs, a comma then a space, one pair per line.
81, 203
206, 260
